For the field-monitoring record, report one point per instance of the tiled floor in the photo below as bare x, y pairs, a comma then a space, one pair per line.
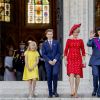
19, 91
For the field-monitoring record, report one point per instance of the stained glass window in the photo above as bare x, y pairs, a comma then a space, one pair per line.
38, 11
5, 10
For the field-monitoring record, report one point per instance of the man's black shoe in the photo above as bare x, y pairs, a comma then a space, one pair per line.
93, 93
56, 94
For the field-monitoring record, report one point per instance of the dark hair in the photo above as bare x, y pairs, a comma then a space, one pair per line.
8, 50
97, 29
22, 43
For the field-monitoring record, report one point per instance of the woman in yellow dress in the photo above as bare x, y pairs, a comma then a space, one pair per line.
31, 67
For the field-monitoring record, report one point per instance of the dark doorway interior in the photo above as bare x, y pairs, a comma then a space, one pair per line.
11, 33
97, 13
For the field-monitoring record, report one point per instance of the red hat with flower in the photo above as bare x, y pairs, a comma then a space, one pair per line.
74, 27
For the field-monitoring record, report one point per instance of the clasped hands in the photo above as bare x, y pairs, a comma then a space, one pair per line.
31, 69
52, 62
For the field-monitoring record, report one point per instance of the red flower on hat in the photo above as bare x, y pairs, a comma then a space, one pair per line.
74, 27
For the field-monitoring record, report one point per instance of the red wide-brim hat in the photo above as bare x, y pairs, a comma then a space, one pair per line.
74, 27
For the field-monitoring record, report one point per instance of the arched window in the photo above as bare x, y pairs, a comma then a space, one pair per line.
38, 11
5, 10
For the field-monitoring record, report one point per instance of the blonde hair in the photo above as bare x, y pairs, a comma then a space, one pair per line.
29, 41
33, 43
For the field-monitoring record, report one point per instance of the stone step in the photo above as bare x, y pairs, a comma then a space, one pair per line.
18, 90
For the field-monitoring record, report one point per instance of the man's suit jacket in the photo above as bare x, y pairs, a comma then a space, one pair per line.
50, 53
95, 58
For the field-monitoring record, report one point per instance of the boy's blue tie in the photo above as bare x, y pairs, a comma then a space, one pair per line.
50, 42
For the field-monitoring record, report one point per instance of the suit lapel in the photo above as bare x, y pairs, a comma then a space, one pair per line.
48, 44
52, 43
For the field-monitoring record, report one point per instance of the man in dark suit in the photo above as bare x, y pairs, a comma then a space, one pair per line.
51, 53
41, 64
94, 62
19, 61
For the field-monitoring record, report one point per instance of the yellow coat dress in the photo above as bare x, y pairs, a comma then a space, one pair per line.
32, 56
